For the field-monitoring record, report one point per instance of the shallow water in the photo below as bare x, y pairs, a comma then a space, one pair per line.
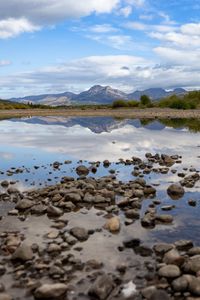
33, 144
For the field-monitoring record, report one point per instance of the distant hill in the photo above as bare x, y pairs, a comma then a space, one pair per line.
96, 95
156, 93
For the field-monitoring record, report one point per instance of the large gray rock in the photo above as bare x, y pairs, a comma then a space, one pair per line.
50, 291
23, 253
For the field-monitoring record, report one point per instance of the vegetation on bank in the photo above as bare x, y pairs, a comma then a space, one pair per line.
4, 104
190, 100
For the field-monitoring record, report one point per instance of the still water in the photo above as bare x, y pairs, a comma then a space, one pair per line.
30, 145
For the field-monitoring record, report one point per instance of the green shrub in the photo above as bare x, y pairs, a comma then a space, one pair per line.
119, 103
145, 101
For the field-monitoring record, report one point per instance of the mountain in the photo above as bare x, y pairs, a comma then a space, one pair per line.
48, 99
156, 93
96, 95
100, 94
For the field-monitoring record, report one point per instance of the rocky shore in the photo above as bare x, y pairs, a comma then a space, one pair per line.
74, 240
146, 113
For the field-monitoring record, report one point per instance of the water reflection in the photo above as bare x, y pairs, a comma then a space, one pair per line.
32, 144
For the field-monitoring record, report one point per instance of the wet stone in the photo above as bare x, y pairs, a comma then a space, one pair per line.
169, 271
80, 233
50, 291
102, 287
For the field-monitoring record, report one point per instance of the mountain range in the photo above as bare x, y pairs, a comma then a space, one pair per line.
97, 95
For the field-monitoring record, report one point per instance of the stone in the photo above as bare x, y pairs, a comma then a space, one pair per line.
5, 183
194, 251
184, 245
4, 296
54, 211
23, 252
175, 191
2, 270
73, 197
148, 292
132, 214
160, 295
51, 291
80, 233
173, 257
131, 243
162, 248
194, 286
169, 271
148, 220
167, 219
82, 170
192, 264
52, 248
102, 287
180, 284
113, 224
24, 204
53, 234
192, 202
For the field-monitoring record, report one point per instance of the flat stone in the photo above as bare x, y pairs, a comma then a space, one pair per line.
24, 204
162, 248
51, 291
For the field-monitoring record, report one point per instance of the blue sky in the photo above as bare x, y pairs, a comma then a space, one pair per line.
50, 46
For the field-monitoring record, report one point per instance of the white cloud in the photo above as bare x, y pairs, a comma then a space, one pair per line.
179, 56
48, 11
148, 27
191, 29
136, 3
13, 27
126, 11
5, 63
101, 28
117, 41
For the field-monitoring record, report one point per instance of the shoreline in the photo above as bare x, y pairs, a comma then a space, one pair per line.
150, 113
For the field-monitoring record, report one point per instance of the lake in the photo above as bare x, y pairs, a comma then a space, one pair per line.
38, 152
30, 145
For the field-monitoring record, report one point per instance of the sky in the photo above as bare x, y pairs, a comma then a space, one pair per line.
51, 46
